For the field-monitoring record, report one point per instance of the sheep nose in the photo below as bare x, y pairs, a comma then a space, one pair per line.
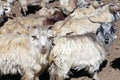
43, 46
107, 36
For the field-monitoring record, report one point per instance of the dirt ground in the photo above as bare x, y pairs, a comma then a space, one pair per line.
110, 69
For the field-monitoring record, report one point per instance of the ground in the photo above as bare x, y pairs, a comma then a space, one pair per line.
110, 69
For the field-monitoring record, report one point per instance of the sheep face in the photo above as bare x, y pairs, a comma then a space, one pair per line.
2, 15
44, 42
7, 7
42, 39
106, 33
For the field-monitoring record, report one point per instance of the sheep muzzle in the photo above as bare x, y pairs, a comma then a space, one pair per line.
43, 49
106, 41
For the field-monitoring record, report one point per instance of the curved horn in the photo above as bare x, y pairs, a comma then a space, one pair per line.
114, 8
96, 4
95, 21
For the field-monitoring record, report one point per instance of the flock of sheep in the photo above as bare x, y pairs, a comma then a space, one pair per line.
76, 35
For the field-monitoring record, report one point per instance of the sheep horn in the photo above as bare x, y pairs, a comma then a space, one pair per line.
96, 4
95, 21
114, 8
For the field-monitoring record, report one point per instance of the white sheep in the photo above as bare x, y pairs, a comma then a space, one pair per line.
20, 25
11, 1
105, 12
86, 50
25, 3
12, 27
54, 13
7, 7
3, 16
70, 5
25, 54
79, 23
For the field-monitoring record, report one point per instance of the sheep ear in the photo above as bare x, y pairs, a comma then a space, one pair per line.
34, 37
113, 29
98, 30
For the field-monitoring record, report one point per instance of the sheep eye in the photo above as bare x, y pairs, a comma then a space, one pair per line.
50, 38
102, 29
34, 37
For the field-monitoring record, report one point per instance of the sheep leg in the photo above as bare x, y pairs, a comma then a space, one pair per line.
36, 78
52, 76
52, 72
94, 70
24, 9
61, 73
37, 70
28, 76
56, 73
95, 76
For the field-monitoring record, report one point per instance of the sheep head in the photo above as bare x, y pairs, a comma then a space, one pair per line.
3, 17
114, 7
106, 33
42, 38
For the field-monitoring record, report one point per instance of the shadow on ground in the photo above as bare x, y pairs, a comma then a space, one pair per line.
31, 9
115, 63
82, 73
10, 77
45, 75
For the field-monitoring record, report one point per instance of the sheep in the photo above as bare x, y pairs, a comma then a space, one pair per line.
20, 25
3, 16
101, 12
70, 5
79, 23
11, 1
29, 21
5, 12
7, 8
25, 54
53, 14
42, 20
25, 3
12, 27
66, 7
80, 51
